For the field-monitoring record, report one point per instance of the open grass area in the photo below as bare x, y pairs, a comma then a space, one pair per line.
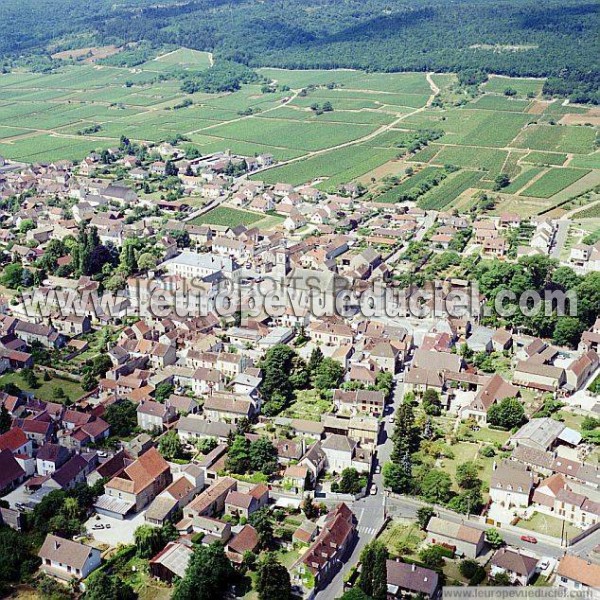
46, 389
402, 540
548, 525
229, 217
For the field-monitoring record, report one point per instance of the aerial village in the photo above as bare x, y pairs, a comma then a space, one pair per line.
467, 447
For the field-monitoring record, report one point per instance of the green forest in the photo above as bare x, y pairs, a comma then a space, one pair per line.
554, 38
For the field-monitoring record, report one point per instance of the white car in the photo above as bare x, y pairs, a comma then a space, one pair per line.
378, 469
544, 564
373, 489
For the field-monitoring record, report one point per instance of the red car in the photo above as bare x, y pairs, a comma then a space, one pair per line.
529, 538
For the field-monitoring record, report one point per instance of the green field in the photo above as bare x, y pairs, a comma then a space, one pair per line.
545, 158
522, 179
227, 217
408, 184
337, 166
449, 189
558, 138
43, 115
45, 389
521, 86
552, 182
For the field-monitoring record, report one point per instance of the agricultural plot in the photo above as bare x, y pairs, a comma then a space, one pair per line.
552, 182
591, 161
545, 158
449, 189
337, 165
302, 136
521, 86
557, 138
487, 159
408, 184
522, 179
184, 58
229, 217
47, 148
501, 103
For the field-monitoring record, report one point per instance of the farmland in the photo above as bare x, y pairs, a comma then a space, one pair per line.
552, 182
370, 122
225, 216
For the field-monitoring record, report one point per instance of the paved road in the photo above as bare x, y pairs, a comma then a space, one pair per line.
370, 511
560, 238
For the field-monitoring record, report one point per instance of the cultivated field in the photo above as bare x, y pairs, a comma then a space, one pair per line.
86, 107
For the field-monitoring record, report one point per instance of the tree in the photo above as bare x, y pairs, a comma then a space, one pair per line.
263, 456
316, 358
467, 475
431, 402
238, 456
171, 169
568, 331
273, 581
5, 420
30, 378
12, 276
122, 418
310, 508
88, 382
276, 387
501, 181
493, 538
436, 487
500, 579
163, 391
351, 482
373, 576
328, 375
423, 515
261, 521
101, 364
149, 540
146, 262
354, 594
170, 445
208, 575
396, 478
327, 107
467, 501
102, 586
508, 413
432, 557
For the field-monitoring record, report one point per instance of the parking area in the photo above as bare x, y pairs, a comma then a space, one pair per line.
118, 532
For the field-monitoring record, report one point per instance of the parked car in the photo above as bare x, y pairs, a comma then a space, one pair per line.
378, 469
544, 564
373, 489
98, 526
529, 538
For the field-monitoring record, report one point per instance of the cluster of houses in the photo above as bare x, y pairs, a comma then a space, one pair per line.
211, 362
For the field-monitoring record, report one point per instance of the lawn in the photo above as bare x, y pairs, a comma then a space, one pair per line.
552, 182
308, 405
402, 540
227, 217
45, 391
545, 524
